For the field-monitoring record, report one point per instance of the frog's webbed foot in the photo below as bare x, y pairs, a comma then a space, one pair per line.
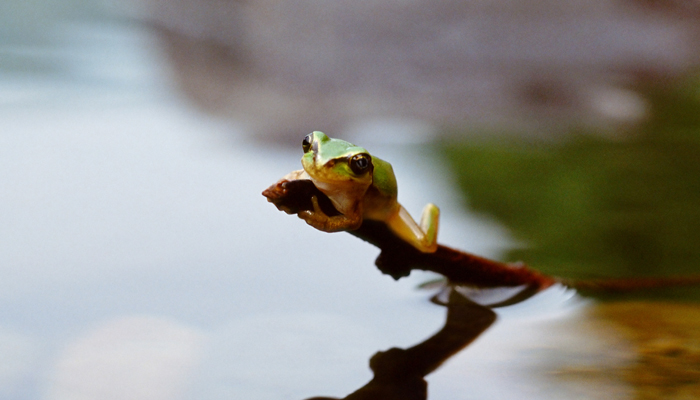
321, 221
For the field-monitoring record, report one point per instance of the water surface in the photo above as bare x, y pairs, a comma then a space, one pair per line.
140, 261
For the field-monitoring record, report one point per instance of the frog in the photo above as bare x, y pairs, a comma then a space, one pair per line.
361, 187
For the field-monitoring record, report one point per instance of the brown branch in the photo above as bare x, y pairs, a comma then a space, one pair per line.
398, 258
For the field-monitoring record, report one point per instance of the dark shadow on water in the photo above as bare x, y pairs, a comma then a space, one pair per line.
399, 373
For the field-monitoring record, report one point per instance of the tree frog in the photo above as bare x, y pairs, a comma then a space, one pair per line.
360, 187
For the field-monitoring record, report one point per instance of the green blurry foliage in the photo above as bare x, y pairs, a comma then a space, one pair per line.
591, 206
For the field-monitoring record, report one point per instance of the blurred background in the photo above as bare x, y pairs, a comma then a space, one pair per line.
139, 260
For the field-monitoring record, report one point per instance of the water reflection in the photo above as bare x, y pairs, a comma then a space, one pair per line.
399, 373
667, 348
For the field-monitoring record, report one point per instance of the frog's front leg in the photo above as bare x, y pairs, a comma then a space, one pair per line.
319, 220
424, 236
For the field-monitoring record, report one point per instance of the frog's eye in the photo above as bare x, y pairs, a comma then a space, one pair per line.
306, 143
361, 163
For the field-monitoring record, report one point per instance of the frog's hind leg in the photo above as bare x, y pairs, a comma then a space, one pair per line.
424, 236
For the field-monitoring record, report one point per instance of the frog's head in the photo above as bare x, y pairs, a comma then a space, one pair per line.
336, 165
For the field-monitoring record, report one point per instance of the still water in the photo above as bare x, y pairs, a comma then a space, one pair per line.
140, 261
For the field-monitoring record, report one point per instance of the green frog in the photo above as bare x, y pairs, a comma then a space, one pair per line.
361, 187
